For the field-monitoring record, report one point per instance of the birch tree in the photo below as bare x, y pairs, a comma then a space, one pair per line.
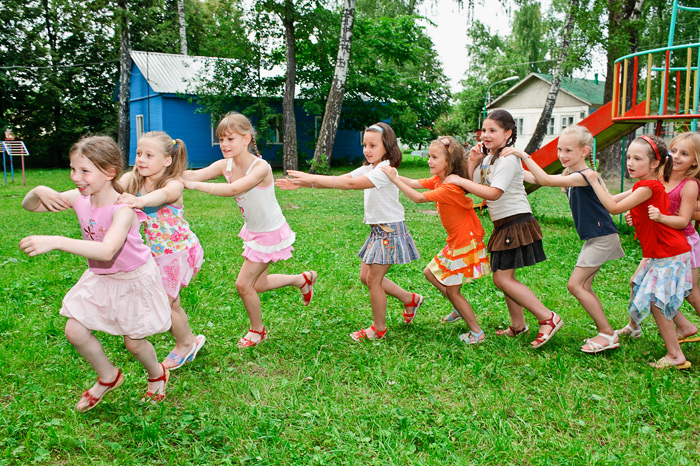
329, 126
559, 69
124, 82
183, 26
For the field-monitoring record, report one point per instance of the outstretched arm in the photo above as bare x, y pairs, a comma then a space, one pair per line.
122, 220
296, 179
245, 183
214, 170
542, 177
168, 194
634, 199
411, 193
45, 199
484, 192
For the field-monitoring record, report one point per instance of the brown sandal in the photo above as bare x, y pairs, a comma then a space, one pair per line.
93, 401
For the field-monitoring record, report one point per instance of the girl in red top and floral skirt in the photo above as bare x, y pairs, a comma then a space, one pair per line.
663, 279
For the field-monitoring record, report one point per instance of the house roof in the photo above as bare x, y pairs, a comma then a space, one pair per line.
168, 73
587, 90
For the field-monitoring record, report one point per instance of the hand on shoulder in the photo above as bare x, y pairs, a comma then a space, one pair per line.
390, 172
516, 152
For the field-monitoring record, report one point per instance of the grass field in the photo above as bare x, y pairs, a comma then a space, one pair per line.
310, 395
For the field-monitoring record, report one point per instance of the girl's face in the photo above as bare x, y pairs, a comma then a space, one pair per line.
639, 164
234, 144
437, 160
493, 136
87, 177
683, 158
373, 147
150, 158
571, 153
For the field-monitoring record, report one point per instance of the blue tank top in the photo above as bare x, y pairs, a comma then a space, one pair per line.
590, 217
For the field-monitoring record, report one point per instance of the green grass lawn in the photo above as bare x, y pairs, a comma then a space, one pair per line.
310, 395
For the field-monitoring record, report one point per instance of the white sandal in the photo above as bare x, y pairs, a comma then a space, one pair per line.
596, 347
628, 331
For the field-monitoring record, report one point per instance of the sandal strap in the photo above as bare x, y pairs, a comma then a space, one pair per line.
261, 332
110, 384
308, 281
162, 377
413, 302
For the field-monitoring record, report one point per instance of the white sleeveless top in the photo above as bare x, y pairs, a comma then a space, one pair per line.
258, 205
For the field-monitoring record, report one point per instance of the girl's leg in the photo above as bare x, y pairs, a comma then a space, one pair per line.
248, 276
522, 297
90, 348
684, 327
454, 314
674, 354
580, 285
460, 303
271, 282
389, 287
632, 329
184, 338
143, 351
372, 275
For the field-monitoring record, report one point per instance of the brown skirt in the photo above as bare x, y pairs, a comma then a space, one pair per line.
513, 232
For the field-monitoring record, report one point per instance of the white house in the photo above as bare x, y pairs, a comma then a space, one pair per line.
577, 99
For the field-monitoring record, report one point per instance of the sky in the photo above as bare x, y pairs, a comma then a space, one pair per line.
449, 32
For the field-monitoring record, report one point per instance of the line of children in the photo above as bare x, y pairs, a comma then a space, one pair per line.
124, 292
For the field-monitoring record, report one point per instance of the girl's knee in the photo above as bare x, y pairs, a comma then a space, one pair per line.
244, 287
134, 346
76, 332
427, 273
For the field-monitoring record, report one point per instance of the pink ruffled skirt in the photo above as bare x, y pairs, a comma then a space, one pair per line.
267, 246
178, 268
124, 303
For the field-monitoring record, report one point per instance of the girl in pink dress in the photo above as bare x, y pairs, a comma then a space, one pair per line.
120, 292
265, 233
154, 187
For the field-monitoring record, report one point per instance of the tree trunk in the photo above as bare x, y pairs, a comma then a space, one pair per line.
290, 159
183, 26
329, 127
620, 14
541, 128
124, 83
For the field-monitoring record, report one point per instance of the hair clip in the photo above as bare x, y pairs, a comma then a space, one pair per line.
376, 128
653, 146
445, 142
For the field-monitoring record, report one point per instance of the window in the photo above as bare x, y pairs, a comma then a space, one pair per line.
277, 124
519, 125
566, 121
550, 126
139, 126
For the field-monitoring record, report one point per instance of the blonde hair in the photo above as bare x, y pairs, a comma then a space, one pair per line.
693, 140
584, 138
173, 148
104, 153
234, 122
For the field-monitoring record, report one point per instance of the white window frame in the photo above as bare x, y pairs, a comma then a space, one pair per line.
139, 127
520, 125
551, 126
566, 121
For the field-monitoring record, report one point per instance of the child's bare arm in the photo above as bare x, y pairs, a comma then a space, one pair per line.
45, 199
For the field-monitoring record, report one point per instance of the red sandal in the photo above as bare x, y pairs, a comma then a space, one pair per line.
309, 295
541, 338
515, 332
159, 395
92, 401
362, 334
248, 343
416, 302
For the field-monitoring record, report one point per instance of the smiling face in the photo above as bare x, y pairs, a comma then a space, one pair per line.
86, 176
639, 164
151, 161
493, 136
571, 153
437, 159
373, 147
234, 144
683, 156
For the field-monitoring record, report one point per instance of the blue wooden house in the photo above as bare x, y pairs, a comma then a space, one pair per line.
161, 86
